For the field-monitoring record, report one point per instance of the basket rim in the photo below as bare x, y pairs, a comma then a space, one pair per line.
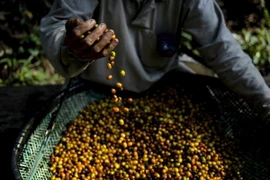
33, 121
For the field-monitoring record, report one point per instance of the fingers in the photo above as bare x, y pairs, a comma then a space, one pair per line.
88, 40
98, 39
98, 36
78, 32
104, 41
112, 45
91, 53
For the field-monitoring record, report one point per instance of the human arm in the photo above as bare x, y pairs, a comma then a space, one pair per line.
88, 40
61, 30
224, 55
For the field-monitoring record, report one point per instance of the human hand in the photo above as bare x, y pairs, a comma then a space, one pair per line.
89, 41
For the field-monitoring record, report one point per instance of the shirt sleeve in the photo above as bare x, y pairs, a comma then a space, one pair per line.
205, 22
52, 34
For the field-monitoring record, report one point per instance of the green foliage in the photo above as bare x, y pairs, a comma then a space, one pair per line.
265, 13
256, 41
23, 72
187, 41
22, 59
25, 67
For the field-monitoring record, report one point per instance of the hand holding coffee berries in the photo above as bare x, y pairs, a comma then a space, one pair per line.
88, 40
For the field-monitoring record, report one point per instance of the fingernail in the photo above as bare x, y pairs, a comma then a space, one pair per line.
102, 25
92, 21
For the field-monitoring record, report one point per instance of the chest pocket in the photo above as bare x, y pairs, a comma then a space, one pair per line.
150, 22
144, 26
149, 56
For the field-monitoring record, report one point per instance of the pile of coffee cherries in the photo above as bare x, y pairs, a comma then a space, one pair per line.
166, 134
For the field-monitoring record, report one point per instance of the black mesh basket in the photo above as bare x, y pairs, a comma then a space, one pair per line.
235, 116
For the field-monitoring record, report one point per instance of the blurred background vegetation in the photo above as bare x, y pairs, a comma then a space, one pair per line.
22, 60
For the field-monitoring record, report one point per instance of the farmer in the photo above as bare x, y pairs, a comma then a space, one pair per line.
79, 36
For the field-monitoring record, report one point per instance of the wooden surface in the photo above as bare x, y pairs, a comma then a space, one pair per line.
17, 105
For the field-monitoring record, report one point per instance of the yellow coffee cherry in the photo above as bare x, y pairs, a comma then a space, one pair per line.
109, 65
114, 36
119, 85
121, 122
123, 73
113, 53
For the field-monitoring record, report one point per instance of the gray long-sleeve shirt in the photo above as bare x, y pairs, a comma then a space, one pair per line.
136, 24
